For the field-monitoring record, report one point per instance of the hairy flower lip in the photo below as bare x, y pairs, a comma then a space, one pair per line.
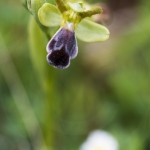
62, 47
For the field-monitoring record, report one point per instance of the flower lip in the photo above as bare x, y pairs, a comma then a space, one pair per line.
62, 47
59, 58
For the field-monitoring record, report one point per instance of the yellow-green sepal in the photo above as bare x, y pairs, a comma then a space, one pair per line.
49, 15
89, 31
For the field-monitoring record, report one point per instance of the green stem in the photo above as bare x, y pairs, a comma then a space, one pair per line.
61, 5
88, 13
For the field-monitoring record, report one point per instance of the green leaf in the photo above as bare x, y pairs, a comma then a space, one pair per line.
89, 31
49, 15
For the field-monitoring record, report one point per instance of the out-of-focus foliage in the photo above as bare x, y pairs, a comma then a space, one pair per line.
106, 87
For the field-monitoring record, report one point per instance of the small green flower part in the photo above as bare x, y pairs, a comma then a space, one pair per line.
86, 30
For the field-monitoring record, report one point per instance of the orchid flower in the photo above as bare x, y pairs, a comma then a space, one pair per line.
74, 19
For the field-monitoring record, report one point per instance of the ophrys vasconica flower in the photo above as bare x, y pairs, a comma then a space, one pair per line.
72, 18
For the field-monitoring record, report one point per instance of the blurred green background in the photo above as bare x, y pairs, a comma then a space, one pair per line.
106, 87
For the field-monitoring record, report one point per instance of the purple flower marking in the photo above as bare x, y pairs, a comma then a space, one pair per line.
61, 48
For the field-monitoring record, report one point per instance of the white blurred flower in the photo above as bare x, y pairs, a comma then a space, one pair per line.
100, 140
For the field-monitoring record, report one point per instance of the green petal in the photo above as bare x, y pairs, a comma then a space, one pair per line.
89, 31
49, 15
77, 7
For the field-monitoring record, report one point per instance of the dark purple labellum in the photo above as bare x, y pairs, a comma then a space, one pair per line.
61, 48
